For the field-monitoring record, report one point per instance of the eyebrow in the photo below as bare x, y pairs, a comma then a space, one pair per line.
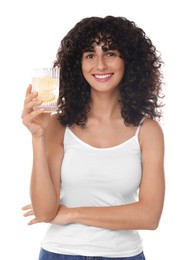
92, 50
89, 50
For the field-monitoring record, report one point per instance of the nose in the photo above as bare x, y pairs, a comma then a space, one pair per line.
101, 64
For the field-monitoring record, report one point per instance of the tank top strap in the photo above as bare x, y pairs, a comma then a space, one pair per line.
139, 126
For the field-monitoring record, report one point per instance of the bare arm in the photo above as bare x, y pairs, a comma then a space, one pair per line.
144, 214
45, 178
47, 158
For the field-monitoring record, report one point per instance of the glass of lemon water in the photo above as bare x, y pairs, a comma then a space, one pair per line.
46, 82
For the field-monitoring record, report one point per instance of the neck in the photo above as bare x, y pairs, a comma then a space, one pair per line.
105, 106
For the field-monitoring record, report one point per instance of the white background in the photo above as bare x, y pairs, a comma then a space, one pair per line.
30, 33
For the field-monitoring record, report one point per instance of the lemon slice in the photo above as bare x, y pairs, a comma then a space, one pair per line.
46, 96
46, 88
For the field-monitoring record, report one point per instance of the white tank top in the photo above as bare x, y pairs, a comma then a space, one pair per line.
97, 177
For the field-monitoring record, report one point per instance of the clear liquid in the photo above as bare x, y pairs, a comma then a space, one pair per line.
48, 91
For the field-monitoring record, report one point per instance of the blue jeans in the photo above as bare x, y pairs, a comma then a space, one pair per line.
45, 255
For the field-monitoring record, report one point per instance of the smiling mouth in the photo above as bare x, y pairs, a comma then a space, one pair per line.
103, 77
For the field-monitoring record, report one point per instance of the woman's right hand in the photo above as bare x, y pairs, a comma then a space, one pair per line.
35, 120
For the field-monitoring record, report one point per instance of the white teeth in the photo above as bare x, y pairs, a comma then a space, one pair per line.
102, 76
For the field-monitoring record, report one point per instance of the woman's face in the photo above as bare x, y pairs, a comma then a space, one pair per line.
103, 70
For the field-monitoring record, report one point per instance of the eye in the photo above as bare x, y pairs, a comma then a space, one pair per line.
111, 54
88, 56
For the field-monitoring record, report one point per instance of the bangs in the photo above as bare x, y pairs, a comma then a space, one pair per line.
104, 38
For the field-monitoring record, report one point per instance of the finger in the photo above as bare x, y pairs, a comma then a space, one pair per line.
33, 221
29, 213
26, 207
27, 119
28, 107
28, 90
30, 97
30, 101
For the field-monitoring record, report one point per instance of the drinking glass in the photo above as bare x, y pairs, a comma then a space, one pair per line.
46, 82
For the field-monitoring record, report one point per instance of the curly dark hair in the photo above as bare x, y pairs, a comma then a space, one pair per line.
141, 86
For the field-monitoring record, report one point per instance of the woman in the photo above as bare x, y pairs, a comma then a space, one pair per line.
98, 172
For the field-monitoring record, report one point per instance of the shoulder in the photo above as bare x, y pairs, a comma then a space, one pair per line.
55, 130
150, 124
150, 132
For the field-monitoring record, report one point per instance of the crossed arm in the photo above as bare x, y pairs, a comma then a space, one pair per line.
144, 214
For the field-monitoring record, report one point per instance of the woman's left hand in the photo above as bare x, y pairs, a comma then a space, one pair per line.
63, 217
29, 212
